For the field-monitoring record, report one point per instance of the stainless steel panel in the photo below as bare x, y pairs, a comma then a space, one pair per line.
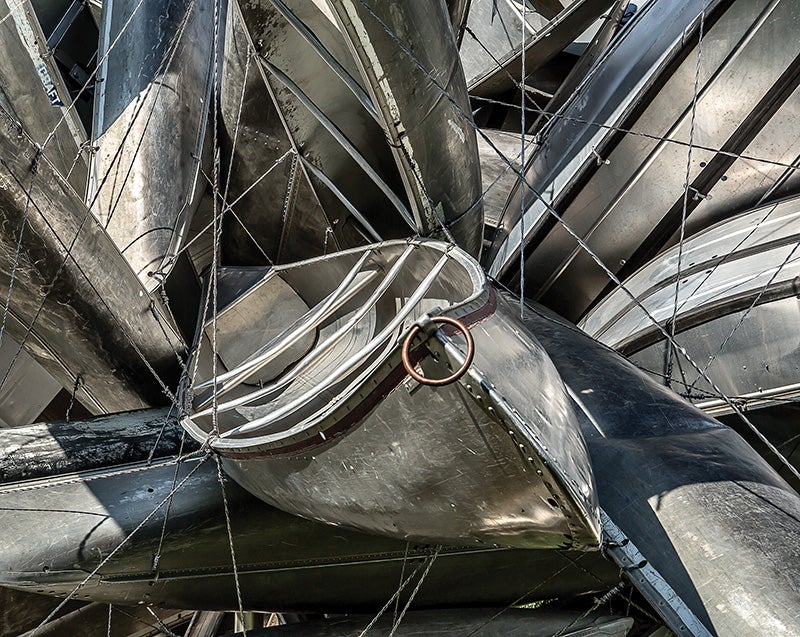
284, 563
595, 177
749, 354
95, 319
548, 41
699, 503
751, 45
28, 388
431, 132
275, 218
346, 441
497, 30
607, 95
34, 96
279, 44
497, 176
151, 108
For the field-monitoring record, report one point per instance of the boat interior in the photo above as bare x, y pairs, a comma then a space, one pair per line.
294, 340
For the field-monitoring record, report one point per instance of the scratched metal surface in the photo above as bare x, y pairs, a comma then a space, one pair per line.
425, 111
623, 193
447, 464
284, 562
96, 318
706, 511
149, 127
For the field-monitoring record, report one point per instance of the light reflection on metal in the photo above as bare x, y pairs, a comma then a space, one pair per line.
538, 491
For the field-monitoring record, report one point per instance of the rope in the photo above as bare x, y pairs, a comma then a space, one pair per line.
525, 595
604, 599
670, 350
230, 543
114, 551
78, 383
558, 115
391, 599
415, 591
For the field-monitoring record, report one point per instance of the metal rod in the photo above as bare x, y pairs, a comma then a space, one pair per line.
292, 334
350, 363
329, 59
323, 347
340, 137
341, 197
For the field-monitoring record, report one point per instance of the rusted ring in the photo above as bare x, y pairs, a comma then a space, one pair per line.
438, 382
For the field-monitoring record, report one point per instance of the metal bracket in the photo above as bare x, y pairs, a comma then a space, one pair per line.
649, 582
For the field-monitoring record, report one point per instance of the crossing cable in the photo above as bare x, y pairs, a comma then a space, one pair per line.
528, 593
586, 248
411, 597
38, 156
394, 596
119, 546
49, 287
746, 313
164, 67
558, 115
684, 212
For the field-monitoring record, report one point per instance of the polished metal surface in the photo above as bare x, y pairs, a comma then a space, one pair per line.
493, 33
276, 217
28, 388
284, 563
466, 621
76, 306
497, 176
340, 437
735, 314
623, 192
410, 65
34, 96
553, 37
150, 113
326, 125
703, 508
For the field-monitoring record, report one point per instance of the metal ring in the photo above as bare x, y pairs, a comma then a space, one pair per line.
438, 382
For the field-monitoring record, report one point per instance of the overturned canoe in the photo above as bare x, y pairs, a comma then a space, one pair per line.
175, 552
410, 65
614, 162
702, 508
313, 411
732, 297
76, 308
149, 126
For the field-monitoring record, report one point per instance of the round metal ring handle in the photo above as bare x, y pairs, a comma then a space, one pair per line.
438, 382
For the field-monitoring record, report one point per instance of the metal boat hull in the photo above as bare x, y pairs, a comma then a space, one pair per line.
735, 314
614, 162
410, 65
704, 509
335, 138
43, 112
284, 563
76, 306
493, 458
149, 127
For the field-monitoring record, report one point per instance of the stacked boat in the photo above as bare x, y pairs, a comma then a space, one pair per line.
293, 289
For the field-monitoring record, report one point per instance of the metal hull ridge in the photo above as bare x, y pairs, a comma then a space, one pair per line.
313, 405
